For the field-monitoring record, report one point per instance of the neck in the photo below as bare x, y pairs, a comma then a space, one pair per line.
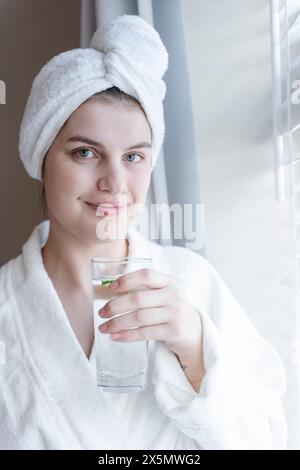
67, 257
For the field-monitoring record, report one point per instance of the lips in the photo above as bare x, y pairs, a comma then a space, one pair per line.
106, 204
106, 208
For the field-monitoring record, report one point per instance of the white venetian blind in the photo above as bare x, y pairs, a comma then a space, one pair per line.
285, 44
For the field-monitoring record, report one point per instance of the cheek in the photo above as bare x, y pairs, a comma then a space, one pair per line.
65, 183
139, 186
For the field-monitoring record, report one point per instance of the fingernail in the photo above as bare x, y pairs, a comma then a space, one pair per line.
102, 312
103, 327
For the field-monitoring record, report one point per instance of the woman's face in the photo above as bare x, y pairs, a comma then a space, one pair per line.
101, 155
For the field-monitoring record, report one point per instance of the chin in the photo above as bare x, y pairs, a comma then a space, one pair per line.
109, 229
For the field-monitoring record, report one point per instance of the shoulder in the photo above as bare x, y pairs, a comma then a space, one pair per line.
197, 276
4, 307
189, 267
14, 272
10, 345
8, 271
4, 276
11, 276
186, 260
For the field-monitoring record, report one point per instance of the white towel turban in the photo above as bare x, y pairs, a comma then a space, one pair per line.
127, 53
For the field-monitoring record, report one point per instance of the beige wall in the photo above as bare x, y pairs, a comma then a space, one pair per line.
31, 33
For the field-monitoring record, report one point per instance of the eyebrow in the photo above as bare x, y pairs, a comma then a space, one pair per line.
87, 140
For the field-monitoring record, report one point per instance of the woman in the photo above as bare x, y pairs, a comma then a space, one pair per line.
91, 132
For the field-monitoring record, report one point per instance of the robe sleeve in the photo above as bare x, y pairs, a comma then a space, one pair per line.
239, 405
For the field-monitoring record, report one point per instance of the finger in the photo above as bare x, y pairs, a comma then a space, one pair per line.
135, 301
146, 333
142, 277
135, 319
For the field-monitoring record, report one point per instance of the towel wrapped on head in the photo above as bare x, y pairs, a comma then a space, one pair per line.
127, 53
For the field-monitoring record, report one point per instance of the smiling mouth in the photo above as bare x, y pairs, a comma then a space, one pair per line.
111, 210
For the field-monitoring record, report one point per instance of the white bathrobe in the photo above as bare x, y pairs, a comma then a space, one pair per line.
49, 398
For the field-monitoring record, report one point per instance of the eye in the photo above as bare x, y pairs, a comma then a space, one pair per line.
134, 155
83, 154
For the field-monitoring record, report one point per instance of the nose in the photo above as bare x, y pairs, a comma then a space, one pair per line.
112, 179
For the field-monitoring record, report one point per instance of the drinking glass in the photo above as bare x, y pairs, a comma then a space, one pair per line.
121, 366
